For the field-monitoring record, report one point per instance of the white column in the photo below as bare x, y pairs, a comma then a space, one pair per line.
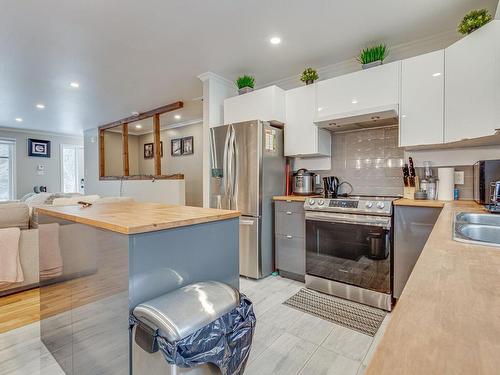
215, 90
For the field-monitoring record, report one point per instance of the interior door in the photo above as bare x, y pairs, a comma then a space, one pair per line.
247, 155
249, 246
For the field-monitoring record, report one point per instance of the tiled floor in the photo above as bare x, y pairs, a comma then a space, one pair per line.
286, 341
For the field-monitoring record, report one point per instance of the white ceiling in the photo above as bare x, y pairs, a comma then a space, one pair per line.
131, 55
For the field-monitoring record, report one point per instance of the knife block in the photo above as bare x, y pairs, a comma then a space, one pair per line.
409, 192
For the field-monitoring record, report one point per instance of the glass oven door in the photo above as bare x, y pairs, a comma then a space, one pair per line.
349, 248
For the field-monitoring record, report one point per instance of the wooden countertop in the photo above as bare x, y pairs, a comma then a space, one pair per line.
135, 217
295, 198
420, 203
447, 319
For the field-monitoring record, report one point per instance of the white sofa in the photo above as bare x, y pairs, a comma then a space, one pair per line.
17, 214
20, 214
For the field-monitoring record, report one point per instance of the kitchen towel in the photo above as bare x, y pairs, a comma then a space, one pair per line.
51, 264
446, 183
10, 264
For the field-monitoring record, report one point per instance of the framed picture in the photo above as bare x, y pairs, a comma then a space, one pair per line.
149, 150
38, 148
176, 147
187, 145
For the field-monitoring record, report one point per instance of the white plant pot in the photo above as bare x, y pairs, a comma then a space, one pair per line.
372, 64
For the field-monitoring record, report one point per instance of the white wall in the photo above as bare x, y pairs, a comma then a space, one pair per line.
191, 166
160, 191
26, 166
215, 90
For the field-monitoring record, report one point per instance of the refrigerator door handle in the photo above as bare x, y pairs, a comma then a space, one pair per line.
225, 161
236, 171
230, 173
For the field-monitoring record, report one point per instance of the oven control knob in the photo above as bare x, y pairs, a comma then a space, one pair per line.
369, 204
380, 205
321, 202
311, 202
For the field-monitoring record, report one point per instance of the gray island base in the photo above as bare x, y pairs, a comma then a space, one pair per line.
85, 307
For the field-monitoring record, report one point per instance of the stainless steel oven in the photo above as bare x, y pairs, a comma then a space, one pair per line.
349, 254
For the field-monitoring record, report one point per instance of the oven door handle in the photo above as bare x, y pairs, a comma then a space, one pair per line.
375, 221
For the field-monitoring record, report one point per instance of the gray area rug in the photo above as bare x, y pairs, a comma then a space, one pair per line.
362, 318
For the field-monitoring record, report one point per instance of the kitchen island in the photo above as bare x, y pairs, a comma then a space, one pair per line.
98, 263
447, 319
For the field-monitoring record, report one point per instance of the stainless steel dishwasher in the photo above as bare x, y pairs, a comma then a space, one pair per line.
412, 227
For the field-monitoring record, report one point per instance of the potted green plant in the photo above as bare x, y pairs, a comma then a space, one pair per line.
474, 20
372, 56
245, 84
309, 76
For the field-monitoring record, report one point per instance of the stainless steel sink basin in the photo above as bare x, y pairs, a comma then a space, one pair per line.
481, 229
480, 219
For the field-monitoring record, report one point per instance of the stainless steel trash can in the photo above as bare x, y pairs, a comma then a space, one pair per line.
176, 315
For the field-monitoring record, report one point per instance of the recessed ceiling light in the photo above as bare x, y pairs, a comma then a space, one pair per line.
138, 126
40, 106
354, 101
177, 117
436, 74
19, 119
275, 40
75, 85
320, 109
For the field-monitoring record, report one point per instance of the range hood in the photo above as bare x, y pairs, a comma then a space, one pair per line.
362, 119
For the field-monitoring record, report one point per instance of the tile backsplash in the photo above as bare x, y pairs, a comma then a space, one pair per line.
464, 191
370, 160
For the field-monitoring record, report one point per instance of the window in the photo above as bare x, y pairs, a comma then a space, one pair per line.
72, 169
7, 185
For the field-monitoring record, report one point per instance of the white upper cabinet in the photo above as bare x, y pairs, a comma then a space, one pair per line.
422, 100
472, 85
267, 104
372, 88
302, 136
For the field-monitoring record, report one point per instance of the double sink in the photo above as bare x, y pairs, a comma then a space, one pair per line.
480, 229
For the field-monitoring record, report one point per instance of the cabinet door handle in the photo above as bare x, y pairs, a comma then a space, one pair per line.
288, 212
288, 236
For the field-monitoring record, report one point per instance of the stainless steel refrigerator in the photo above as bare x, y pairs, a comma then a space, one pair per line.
248, 169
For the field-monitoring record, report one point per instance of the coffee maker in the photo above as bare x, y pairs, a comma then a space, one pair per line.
331, 186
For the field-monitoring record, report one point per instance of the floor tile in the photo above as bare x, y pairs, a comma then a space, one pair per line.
325, 362
286, 356
270, 326
311, 328
348, 343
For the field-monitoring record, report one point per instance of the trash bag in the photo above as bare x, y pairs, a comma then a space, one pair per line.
226, 342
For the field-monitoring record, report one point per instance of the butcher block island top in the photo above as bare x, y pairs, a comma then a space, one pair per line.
447, 320
135, 217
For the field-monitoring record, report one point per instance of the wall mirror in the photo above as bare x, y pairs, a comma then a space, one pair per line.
112, 138
132, 148
141, 148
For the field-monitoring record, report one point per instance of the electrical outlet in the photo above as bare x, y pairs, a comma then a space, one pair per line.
459, 178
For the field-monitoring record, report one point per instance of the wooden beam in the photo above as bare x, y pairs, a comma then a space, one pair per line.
157, 143
102, 169
126, 170
142, 116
